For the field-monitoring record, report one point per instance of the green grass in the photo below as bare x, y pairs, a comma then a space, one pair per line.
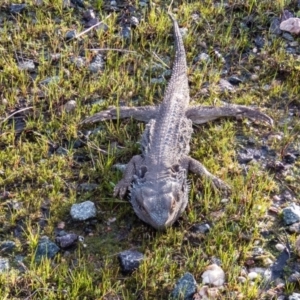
35, 177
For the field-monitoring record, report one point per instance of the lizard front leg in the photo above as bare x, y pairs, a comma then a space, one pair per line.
202, 114
142, 113
131, 169
196, 167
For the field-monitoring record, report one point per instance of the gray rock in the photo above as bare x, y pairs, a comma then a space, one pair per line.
134, 21
295, 227
235, 80
97, 64
67, 240
88, 187
204, 57
125, 32
83, 211
130, 260
275, 26
45, 249
294, 296
225, 85
185, 287
7, 246
27, 65
4, 264
78, 61
71, 34
17, 8
287, 36
291, 214
200, 228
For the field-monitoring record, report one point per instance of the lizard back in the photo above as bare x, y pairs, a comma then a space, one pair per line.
166, 131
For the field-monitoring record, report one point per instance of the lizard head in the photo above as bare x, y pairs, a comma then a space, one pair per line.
159, 202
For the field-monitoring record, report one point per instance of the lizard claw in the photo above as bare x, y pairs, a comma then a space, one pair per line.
108, 114
256, 115
121, 188
220, 185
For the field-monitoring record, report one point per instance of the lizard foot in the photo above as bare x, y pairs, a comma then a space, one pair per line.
108, 114
121, 188
220, 185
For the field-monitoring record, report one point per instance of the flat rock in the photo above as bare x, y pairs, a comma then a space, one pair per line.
45, 249
67, 240
83, 211
7, 246
291, 214
294, 296
130, 260
185, 287
291, 25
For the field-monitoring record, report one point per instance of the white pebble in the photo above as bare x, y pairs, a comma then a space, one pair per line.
280, 247
213, 275
252, 275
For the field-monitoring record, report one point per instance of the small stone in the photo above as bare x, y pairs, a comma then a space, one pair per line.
7, 246
69, 106
83, 211
183, 31
4, 264
213, 275
258, 251
280, 247
125, 32
134, 21
259, 42
61, 151
295, 228
294, 296
78, 3
200, 228
88, 187
291, 25
242, 279
254, 77
67, 240
275, 26
235, 80
27, 65
204, 57
71, 34
45, 249
130, 260
252, 275
89, 15
97, 64
291, 214
113, 3
225, 85
17, 8
289, 158
287, 36
185, 287
78, 61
